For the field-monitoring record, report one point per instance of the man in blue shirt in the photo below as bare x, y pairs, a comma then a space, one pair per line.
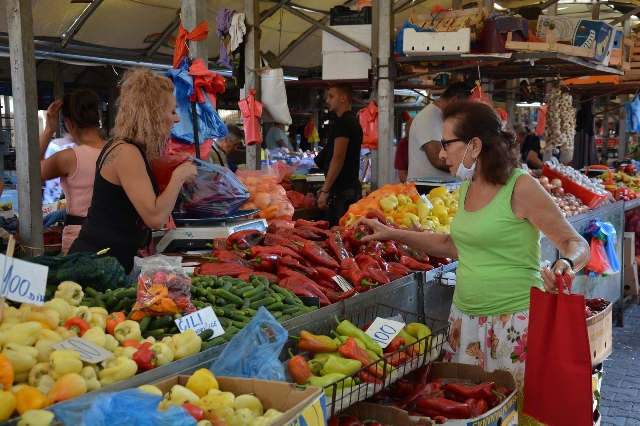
277, 138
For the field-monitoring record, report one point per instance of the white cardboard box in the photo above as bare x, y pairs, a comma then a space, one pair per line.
436, 43
345, 65
359, 33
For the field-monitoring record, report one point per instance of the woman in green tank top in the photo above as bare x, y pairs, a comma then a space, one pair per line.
496, 237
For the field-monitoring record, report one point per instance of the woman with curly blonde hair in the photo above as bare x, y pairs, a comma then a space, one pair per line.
126, 202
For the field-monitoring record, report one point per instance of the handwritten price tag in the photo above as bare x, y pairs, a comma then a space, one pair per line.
88, 351
383, 331
22, 281
342, 283
200, 321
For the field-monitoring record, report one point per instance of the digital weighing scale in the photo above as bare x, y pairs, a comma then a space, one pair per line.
195, 234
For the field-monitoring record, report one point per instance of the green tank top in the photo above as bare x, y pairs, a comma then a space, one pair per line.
499, 256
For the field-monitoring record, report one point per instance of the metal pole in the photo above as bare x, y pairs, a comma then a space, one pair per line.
623, 141
552, 10
58, 90
511, 102
113, 96
194, 12
251, 62
375, 45
25, 103
605, 131
385, 95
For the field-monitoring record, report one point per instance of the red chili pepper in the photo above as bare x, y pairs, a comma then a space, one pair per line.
351, 421
372, 214
397, 265
444, 407
349, 264
394, 345
480, 408
351, 350
373, 247
220, 244
270, 277
367, 377
299, 369
361, 231
325, 273
377, 275
145, 358
266, 262
357, 278
344, 234
222, 269
423, 374
364, 261
301, 233
403, 387
315, 254
219, 256
328, 286
414, 265
337, 247
322, 224
277, 240
242, 240
453, 396
303, 286
277, 250
397, 359
395, 274
389, 251
196, 412
78, 325
417, 393
472, 402
486, 391
295, 265
405, 250
320, 232
338, 296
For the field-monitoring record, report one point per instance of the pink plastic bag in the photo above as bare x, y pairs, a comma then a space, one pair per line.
251, 112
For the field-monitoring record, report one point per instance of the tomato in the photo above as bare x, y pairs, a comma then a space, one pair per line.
195, 411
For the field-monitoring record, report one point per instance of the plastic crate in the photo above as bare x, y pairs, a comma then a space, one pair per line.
341, 15
590, 199
339, 399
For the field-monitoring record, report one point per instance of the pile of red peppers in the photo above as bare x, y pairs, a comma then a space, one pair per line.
306, 257
595, 306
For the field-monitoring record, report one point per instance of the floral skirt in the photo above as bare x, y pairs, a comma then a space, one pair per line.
497, 342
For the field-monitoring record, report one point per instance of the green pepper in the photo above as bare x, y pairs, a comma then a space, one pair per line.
314, 367
345, 328
333, 364
330, 379
322, 356
420, 332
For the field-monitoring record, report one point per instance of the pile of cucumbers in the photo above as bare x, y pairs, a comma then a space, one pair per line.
118, 300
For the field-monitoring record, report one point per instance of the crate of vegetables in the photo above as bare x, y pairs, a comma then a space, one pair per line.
366, 351
599, 317
574, 182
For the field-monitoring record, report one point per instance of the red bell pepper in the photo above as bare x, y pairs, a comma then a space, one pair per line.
349, 264
295, 265
389, 251
357, 278
414, 265
405, 250
373, 248
222, 269
266, 262
486, 391
341, 295
303, 286
277, 240
472, 402
136, 344
345, 240
325, 273
397, 265
327, 286
361, 231
444, 407
320, 232
377, 275
277, 250
395, 274
220, 244
372, 214
145, 358
384, 266
367, 377
78, 325
301, 233
317, 255
220, 256
394, 345
270, 277
366, 262
284, 272
242, 240
336, 245
418, 392
322, 224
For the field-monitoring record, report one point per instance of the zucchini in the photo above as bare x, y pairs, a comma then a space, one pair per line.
277, 306
212, 343
144, 323
91, 292
253, 291
262, 302
228, 296
206, 335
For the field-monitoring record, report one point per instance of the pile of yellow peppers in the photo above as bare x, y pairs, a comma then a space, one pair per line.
400, 204
204, 400
34, 375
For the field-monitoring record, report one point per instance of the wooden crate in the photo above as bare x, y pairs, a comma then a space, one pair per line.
453, 20
550, 45
632, 67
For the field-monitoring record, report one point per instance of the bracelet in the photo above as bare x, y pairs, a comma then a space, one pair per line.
569, 261
326, 192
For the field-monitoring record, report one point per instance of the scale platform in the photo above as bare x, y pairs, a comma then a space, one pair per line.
195, 234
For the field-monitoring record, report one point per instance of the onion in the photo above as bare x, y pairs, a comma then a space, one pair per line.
556, 182
559, 190
564, 214
547, 186
544, 180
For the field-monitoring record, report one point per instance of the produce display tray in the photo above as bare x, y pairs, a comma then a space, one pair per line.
340, 401
240, 214
590, 199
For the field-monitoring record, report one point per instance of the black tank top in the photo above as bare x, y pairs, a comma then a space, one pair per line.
112, 220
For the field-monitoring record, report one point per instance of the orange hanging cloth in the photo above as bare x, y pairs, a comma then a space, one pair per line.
199, 33
251, 112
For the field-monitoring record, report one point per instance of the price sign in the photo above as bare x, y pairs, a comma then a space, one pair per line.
426, 201
88, 351
342, 283
22, 281
200, 321
383, 331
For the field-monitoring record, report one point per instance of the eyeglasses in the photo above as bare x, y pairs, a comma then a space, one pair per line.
445, 143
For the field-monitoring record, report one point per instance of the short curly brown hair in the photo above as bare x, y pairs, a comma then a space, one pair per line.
500, 154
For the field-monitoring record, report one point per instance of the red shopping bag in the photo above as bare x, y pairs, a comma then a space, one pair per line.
557, 386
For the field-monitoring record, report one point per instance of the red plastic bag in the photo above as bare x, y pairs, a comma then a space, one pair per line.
542, 121
251, 112
368, 118
176, 147
296, 198
598, 262
163, 167
504, 117
310, 200
477, 94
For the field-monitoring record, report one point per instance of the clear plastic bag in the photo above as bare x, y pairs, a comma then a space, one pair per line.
163, 287
254, 351
128, 407
266, 193
216, 192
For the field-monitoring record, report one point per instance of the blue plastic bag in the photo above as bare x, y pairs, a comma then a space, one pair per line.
605, 232
128, 407
254, 351
210, 125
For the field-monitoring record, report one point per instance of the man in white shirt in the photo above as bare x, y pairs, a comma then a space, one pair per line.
426, 133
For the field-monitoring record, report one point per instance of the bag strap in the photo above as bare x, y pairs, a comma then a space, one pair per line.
561, 281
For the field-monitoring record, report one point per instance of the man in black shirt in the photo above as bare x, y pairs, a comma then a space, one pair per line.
340, 158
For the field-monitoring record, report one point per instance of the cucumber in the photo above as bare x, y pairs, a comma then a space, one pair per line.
127, 304
206, 335
239, 324
99, 302
155, 332
218, 311
164, 321
118, 307
111, 303
218, 283
201, 291
224, 322
212, 343
283, 318
226, 286
240, 317
282, 291
230, 306
229, 333
210, 297
228, 296
264, 280
144, 323
246, 303
240, 290
277, 306
192, 290
278, 297
121, 294
91, 292
253, 291
291, 309
259, 296
262, 302
173, 330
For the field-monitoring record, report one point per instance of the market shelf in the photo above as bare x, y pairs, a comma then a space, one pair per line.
633, 204
510, 65
600, 89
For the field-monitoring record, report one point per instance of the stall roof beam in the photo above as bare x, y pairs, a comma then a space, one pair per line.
548, 4
270, 12
407, 6
82, 19
327, 29
167, 32
400, 4
624, 17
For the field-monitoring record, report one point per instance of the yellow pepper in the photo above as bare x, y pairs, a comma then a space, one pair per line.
124, 352
7, 404
211, 403
110, 343
30, 398
44, 344
82, 312
185, 344
98, 310
250, 402
166, 340
407, 218
43, 315
38, 371
45, 384
22, 377
68, 386
64, 362
128, 330
71, 292
62, 306
26, 333
201, 382
89, 375
36, 418
153, 390
124, 369
96, 336
244, 415
98, 320
389, 203
423, 209
9, 323
23, 358
163, 353
10, 312
179, 395
65, 333
16, 388
149, 339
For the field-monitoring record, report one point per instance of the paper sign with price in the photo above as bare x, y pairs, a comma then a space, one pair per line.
383, 331
342, 283
200, 321
88, 351
22, 281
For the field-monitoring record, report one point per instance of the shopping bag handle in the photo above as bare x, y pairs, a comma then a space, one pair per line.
561, 281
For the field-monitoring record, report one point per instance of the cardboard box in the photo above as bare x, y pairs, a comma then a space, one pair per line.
600, 340
345, 65
593, 79
385, 415
299, 406
580, 32
630, 266
359, 33
616, 49
433, 43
